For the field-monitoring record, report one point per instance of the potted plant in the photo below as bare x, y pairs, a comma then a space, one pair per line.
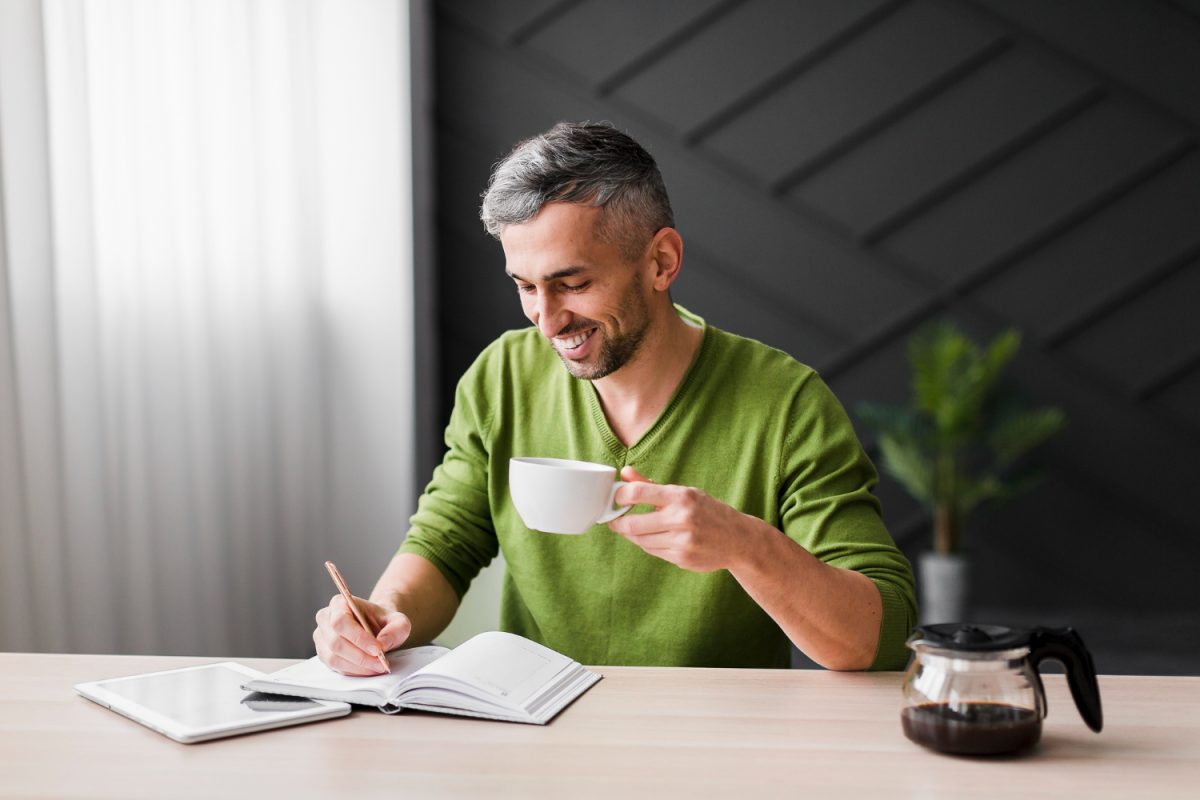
958, 443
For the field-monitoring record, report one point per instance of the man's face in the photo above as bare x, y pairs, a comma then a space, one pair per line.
581, 293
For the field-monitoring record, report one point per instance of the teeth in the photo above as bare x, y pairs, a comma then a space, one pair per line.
570, 343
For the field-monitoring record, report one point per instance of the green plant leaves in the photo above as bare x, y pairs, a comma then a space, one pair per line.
952, 378
1016, 435
956, 445
907, 464
904, 443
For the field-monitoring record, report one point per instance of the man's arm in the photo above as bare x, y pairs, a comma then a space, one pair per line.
416, 588
833, 615
412, 602
450, 540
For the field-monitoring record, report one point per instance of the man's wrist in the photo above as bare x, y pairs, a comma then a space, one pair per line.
755, 544
390, 601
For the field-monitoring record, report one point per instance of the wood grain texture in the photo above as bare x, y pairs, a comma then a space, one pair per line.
640, 732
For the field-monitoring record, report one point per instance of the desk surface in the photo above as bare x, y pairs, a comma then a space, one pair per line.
640, 732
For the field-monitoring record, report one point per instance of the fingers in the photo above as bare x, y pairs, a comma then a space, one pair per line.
678, 507
651, 532
688, 528
344, 623
347, 664
642, 524
657, 542
343, 644
395, 631
631, 477
630, 474
645, 492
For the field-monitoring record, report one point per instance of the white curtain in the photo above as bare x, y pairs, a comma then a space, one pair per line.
206, 350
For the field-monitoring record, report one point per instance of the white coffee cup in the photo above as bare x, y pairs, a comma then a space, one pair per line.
555, 495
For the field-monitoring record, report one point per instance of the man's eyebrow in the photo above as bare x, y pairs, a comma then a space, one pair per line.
565, 272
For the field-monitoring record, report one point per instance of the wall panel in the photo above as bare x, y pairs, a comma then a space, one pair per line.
843, 172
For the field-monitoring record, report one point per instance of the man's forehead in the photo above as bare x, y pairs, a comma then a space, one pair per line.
558, 242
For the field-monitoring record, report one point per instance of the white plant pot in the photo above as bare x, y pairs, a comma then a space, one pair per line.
942, 581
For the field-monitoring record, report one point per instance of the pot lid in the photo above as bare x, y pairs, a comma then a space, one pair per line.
969, 638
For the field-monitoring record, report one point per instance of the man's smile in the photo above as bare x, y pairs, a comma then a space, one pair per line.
573, 345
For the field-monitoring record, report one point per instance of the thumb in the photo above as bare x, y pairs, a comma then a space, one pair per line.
630, 475
395, 631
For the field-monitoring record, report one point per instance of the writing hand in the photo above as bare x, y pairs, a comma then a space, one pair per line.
345, 647
687, 528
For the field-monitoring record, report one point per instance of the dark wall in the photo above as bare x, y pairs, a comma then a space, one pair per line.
843, 170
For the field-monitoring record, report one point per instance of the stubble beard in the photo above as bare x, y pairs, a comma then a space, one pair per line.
619, 350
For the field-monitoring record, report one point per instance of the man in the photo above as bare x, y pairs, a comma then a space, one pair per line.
757, 525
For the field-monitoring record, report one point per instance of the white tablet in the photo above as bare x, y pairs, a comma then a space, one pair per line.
194, 704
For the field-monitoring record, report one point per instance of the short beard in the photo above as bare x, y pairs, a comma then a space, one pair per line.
615, 353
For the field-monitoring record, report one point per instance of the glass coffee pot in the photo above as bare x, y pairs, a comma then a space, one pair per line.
975, 689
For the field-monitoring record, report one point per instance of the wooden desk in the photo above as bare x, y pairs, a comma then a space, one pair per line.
640, 732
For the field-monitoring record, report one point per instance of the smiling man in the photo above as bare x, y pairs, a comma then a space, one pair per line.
757, 526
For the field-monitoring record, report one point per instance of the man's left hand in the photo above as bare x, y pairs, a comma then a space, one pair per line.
687, 527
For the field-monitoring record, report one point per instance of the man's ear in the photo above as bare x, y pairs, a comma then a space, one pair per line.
666, 249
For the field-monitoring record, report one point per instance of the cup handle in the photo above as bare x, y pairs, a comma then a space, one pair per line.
613, 513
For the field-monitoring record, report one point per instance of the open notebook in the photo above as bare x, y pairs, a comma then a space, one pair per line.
492, 675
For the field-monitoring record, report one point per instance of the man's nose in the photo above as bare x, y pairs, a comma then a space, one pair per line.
549, 314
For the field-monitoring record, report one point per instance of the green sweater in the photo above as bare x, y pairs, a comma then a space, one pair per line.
748, 425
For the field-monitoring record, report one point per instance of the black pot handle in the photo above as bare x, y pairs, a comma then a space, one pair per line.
1065, 645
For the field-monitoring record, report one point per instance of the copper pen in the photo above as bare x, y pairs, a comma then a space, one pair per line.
354, 609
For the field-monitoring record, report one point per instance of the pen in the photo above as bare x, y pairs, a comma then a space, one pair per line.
354, 609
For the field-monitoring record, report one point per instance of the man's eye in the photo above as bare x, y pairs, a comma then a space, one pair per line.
576, 287
525, 288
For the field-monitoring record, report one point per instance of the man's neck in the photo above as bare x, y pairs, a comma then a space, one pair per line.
634, 396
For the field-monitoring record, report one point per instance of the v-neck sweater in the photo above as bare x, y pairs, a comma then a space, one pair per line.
748, 425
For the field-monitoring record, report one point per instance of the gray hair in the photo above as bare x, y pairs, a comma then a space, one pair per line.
587, 163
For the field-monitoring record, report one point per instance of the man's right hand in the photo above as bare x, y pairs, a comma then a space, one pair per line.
343, 644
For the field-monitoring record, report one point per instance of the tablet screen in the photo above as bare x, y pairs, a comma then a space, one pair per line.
200, 698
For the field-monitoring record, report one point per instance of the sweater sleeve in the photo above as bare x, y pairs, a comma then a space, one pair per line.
452, 527
828, 508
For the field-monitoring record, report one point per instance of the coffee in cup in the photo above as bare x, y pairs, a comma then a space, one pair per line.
556, 495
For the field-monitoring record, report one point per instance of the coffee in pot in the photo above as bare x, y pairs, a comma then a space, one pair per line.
975, 689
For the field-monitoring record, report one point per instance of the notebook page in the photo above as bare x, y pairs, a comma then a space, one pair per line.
503, 664
315, 674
